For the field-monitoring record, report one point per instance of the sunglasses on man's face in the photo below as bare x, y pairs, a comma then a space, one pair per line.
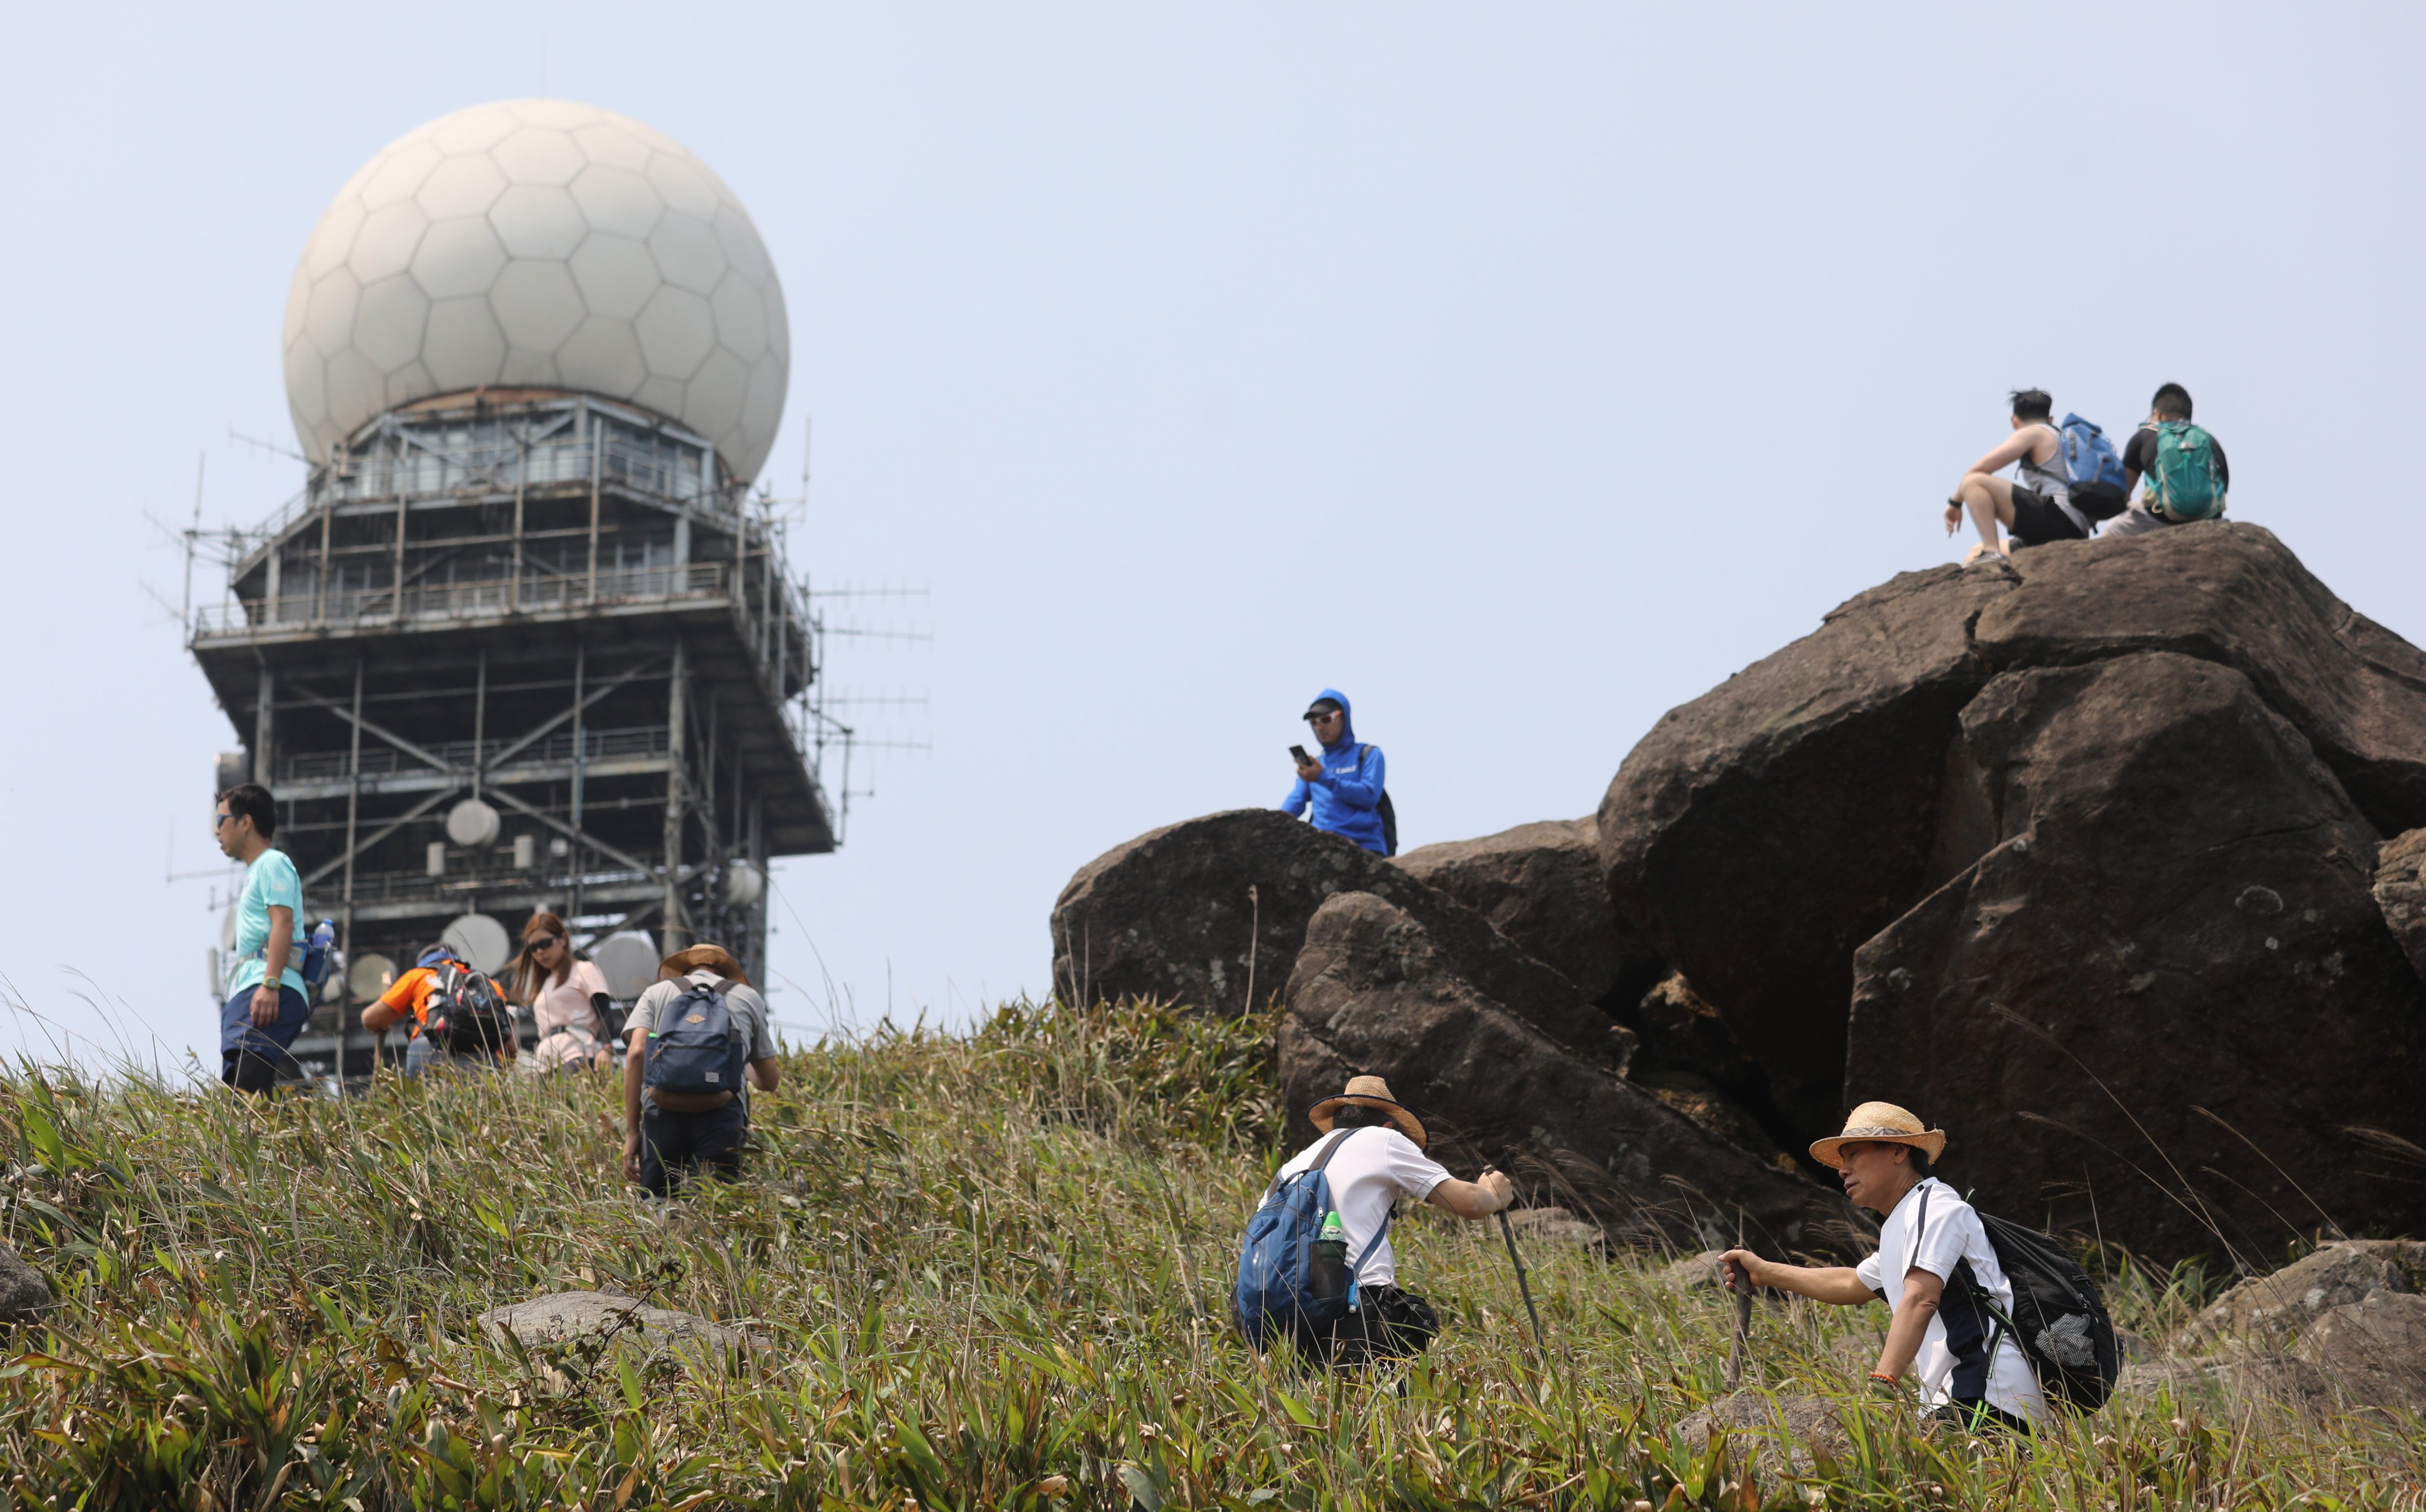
218, 819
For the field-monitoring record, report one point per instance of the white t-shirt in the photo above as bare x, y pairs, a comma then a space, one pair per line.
1373, 1170
1953, 1359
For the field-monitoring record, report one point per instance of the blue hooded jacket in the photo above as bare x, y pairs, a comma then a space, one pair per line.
1348, 795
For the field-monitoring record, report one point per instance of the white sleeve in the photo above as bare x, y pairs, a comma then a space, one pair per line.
1952, 1226
1868, 1272
1413, 1171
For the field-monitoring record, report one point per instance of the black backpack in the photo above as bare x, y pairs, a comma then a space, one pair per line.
1389, 815
2058, 1318
465, 1011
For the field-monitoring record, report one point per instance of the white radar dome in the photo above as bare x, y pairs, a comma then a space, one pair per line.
544, 244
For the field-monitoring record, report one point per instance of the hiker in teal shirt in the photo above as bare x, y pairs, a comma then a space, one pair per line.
261, 1018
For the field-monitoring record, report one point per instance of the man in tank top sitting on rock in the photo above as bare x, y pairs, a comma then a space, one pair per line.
2035, 505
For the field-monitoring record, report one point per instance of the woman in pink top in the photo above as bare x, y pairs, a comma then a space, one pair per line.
557, 985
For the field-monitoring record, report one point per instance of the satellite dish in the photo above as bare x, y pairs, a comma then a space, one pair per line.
628, 961
370, 976
473, 824
482, 942
744, 884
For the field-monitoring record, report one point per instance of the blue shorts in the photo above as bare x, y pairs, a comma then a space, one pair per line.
238, 1033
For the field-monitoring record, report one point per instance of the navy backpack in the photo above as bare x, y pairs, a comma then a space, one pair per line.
693, 1047
1288, 1284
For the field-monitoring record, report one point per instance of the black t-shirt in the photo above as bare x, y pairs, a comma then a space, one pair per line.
2140, 455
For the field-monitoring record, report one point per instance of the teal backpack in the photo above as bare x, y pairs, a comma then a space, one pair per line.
2185, 483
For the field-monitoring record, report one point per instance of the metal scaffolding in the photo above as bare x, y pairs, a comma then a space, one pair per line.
561, 606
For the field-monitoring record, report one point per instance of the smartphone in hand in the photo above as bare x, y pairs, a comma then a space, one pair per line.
1299, 751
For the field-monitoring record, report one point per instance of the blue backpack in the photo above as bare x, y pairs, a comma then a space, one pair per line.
693, 1049
2088, 455
1288, 1283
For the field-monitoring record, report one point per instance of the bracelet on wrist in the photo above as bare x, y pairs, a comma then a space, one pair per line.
1883, 1377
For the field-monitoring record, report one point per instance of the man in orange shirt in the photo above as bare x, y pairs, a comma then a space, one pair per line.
409, 999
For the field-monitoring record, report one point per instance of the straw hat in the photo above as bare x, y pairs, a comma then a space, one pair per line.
1881, 1122
1369, 1092
702, 957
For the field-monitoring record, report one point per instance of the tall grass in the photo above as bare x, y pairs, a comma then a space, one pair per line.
989, 1271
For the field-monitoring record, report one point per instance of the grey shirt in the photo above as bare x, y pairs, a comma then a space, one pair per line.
749, 1011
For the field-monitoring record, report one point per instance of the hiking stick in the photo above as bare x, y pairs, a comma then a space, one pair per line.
1743, 1315
1509, 1233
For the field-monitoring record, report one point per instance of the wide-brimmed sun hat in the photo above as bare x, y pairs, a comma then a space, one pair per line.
1369, 1092
702, 957
1879, 1123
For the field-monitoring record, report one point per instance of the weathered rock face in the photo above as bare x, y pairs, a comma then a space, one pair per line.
2341, 1328
1376, 991
24, 1294
1540, 885
2165, 985
2234, 595
2276, 1310
2400, 894
565, 1318
1168, 915
1760, 834
1779, 1434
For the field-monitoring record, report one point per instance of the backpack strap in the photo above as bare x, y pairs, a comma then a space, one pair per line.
1338, 1139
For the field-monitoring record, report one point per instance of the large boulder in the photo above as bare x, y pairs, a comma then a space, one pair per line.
1376, 991
1760, 834
23, 1295
2160, 999
1194, 912
2276, 1310
2400, 894
2235, 595
597, 1320
1540, 885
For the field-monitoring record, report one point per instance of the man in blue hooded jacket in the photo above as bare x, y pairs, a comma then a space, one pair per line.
1344, 784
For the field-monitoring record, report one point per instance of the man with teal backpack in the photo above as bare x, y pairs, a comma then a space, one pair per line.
2180, 469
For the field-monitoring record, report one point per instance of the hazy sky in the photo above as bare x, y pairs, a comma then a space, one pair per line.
1521, 370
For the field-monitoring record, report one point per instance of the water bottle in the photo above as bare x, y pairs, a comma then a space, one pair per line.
1327, 1278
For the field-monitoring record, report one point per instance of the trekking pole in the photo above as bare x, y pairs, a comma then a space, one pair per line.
1743, 1315
1509, 1233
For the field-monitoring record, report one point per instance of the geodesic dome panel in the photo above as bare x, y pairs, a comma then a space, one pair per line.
546, 244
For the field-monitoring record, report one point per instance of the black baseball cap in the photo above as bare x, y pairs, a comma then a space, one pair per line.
1321, 706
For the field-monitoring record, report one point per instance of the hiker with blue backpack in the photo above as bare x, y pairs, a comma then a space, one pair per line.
1344, 784
1316, 1268
2179, 468
2035, 505
700, 1041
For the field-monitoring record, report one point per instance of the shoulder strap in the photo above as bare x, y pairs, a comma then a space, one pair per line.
1338, 1139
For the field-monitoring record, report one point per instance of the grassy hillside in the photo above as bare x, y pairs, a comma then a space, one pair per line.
993, 1271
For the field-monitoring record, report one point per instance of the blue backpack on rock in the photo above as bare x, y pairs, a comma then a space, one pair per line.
693, 1047
1294, 1276
2088, 455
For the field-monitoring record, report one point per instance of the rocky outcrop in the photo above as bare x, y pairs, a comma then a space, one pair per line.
2276, 1310
1376, 991
23, 1295
2400, 894
2233, 595
1170, 915
1778, 1435
1540, 885
2342, 1328
601, 1320
2156, 1002
1760, 834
